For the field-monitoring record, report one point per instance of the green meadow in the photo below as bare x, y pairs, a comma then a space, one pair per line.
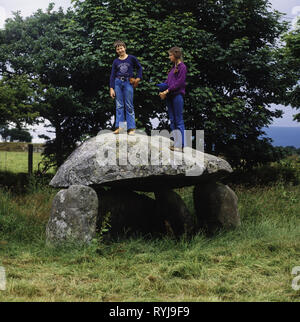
251, 263
17, 162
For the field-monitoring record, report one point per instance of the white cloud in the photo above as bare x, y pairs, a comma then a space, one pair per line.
37, 130
287, 118
2, 16
27, 8
295, 12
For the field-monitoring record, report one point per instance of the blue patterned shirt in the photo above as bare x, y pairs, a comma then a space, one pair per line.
124, 68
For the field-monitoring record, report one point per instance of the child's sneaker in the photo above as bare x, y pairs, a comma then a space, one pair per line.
173, 148
118, 130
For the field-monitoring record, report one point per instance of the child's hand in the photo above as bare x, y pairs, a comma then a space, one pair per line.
112, 93
136, 83
163, 95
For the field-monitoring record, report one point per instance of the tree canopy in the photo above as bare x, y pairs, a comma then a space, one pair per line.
292, 56
231, 49
17, 104
15, 134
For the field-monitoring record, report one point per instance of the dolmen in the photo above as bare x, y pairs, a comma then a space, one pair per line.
125, 185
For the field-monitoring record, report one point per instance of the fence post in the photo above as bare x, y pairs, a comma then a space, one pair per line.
30, 154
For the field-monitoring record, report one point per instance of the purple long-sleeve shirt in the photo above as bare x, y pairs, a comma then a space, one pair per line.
176, 82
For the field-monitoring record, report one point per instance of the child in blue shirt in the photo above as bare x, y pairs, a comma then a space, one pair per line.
122, 84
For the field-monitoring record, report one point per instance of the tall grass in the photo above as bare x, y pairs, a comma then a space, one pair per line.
251, 263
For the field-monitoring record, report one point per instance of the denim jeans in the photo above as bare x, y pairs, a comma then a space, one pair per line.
175, 111
124, 100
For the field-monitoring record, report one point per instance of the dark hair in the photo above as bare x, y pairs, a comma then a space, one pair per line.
119, 43
177, 52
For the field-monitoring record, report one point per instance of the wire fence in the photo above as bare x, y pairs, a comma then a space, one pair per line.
20, 157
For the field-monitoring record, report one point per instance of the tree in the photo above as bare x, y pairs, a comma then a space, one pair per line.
15, 134
231, 50
291, 53
20, 135
4, 132
17, 105
38, 46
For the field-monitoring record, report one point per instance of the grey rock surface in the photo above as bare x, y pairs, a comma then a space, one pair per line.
216, 207
137, 162
73, 215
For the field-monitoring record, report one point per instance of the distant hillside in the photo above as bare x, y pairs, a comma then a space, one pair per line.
284, 136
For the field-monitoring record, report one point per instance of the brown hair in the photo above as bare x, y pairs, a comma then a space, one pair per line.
177, 53
119, 43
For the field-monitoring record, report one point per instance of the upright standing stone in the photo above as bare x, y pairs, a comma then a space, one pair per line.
174, 213
216, 207
73, 215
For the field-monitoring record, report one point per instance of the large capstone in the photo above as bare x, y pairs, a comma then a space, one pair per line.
137, 162
73, 215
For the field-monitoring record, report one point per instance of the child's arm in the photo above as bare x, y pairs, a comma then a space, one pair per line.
139, 68
112, 81
112, 76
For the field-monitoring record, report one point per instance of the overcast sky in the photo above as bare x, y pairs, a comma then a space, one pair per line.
290, 7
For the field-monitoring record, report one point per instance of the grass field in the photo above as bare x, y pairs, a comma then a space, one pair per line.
252, 263
17, 162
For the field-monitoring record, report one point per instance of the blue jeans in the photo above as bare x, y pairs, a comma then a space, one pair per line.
175, 111
124, 100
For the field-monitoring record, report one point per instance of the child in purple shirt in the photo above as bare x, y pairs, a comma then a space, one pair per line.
174, 95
